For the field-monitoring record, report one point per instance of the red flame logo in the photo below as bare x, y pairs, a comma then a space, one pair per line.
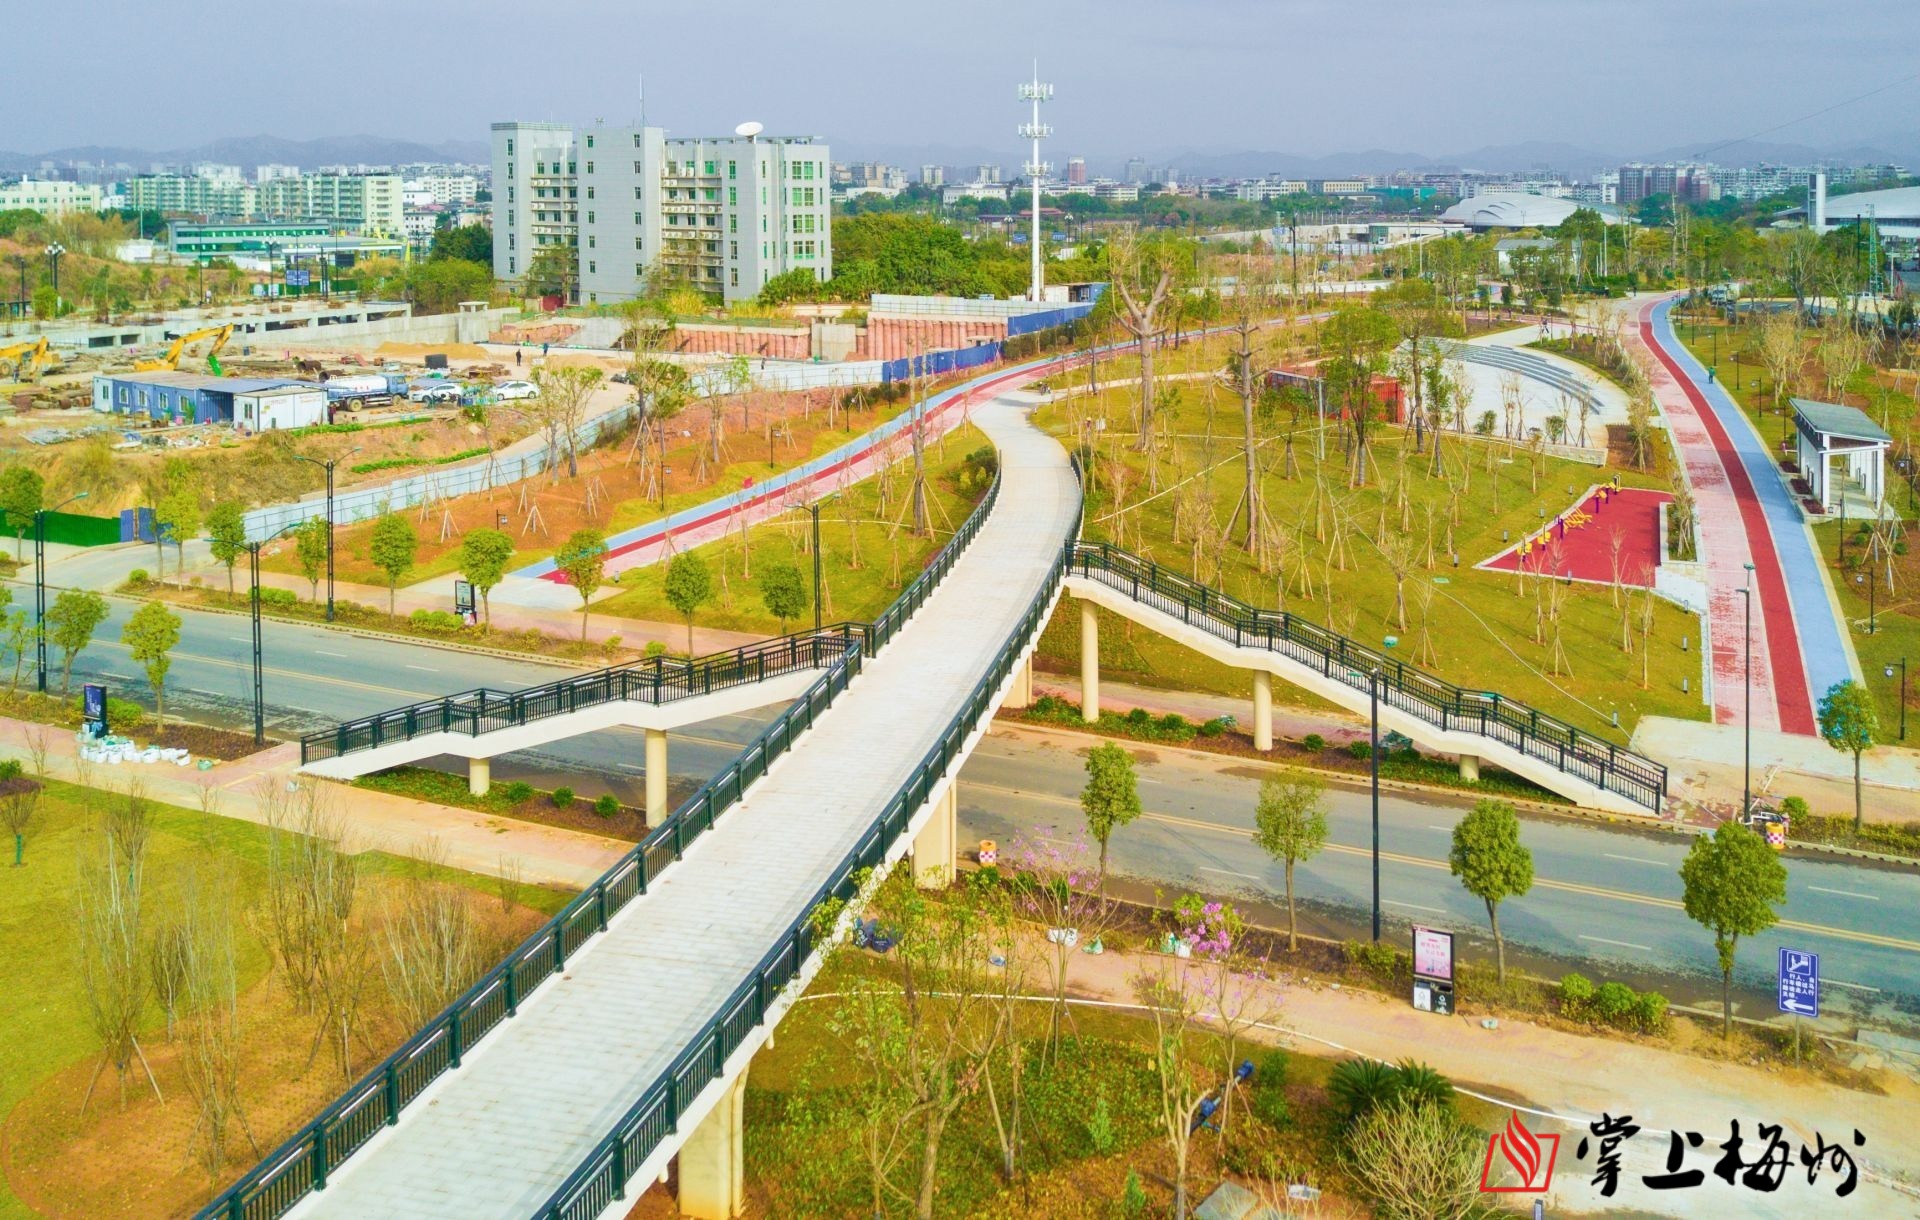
1520, 1147
1523, 1151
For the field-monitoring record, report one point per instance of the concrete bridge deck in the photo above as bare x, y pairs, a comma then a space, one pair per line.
498, 1135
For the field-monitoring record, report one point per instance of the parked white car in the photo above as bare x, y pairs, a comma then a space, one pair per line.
434, 391
507, 391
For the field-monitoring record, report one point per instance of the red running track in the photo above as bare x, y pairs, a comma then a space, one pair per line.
1586, 551
1791, 696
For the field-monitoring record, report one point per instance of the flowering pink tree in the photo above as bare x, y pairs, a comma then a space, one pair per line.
1229, 983
1057, 884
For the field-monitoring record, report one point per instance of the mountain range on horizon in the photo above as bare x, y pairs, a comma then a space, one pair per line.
1216, 162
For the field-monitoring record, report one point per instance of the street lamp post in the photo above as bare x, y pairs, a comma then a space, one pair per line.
54, 254
259, 677
328, 466
1746, 728
814, 508
1373, 763
1870, 580
1888, 671
40, 584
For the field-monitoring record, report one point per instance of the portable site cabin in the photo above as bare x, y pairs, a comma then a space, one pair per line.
285, 406
171, 398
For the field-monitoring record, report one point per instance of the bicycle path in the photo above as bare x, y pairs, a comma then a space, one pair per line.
1747, 516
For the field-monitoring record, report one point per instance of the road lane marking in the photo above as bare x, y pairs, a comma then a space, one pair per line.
1431, 826
1227, 872
1633, 859
1411, 906
1851, 986
630, 767
324, 653
426, 669
1624, 944
1570, 887
1845, 893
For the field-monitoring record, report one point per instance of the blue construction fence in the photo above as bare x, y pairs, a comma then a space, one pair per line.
960, 358
136, 525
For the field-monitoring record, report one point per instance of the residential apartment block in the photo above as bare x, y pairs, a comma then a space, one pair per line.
725, 214
191, 193
367, 203
49, 198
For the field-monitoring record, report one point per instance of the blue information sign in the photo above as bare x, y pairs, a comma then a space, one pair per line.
299, 279
93, 708
1799, 982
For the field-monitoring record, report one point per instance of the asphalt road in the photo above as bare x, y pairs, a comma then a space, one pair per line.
1604, 899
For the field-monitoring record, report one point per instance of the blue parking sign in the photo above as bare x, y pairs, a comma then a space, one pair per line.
1799, 982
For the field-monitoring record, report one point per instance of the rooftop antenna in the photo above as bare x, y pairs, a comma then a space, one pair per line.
1035, 92
640, 86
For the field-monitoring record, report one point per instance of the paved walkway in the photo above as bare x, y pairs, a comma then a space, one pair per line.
529, 1103
474, 842
1825, 653
1579, 1078
1707, 770
1585, 533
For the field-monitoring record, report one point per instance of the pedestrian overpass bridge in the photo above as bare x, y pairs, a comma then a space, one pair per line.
616, 1040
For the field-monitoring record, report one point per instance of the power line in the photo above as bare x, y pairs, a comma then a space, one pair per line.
1814, 115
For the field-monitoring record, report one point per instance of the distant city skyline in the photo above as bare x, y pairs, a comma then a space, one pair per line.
1626, 77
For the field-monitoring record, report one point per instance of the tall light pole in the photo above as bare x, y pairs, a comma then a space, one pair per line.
55, 252
1373, 764
259, 677
328, 466
814, 508
1034, 92
40, 583
1903, 694
1746, 728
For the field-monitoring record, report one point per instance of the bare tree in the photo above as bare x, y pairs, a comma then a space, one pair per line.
112, 960
430, 943
1143, 274
307, 914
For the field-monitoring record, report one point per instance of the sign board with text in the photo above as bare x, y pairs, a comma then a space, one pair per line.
1432, 970
1799, 982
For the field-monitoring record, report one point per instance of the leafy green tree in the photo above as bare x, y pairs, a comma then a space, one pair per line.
1111, 797
1492, 863
1733, 881
310, 551
440, 284
470, 243
484, 556
1357, 341
784, 593
176, 517
689, 586
583, 558
394, 545
22, 494
45, 303
150, 635
71, 621
227, 534
20, 637
1290, 825
1849, 723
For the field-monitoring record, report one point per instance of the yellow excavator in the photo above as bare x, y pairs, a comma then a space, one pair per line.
27, 359
170, 360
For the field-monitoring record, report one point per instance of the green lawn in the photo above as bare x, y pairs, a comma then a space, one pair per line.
1894, 617
1482, 629
42, 1007
854, 525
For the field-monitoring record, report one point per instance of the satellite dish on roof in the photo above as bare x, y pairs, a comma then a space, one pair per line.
749, 129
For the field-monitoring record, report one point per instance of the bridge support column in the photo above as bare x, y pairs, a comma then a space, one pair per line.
1020, 690
936, 855
656, 776
1470, 768
1089, 663
713, 1161
479, 775
1262, 710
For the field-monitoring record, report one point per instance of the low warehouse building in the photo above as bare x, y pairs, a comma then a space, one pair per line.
286, 406
170, 398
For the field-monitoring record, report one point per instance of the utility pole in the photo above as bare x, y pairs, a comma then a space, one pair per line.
1035, 92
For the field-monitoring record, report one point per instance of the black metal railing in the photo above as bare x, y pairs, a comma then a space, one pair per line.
305, 1160
601, 1180
1437, 702
651, 680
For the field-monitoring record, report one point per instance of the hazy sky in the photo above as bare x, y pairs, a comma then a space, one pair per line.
1302, 76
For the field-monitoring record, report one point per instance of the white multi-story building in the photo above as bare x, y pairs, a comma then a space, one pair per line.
267, 173
192, 194
723, 215
371, 204
445, 188
53, 198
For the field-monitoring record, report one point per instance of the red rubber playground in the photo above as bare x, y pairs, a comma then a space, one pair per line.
1580, 542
